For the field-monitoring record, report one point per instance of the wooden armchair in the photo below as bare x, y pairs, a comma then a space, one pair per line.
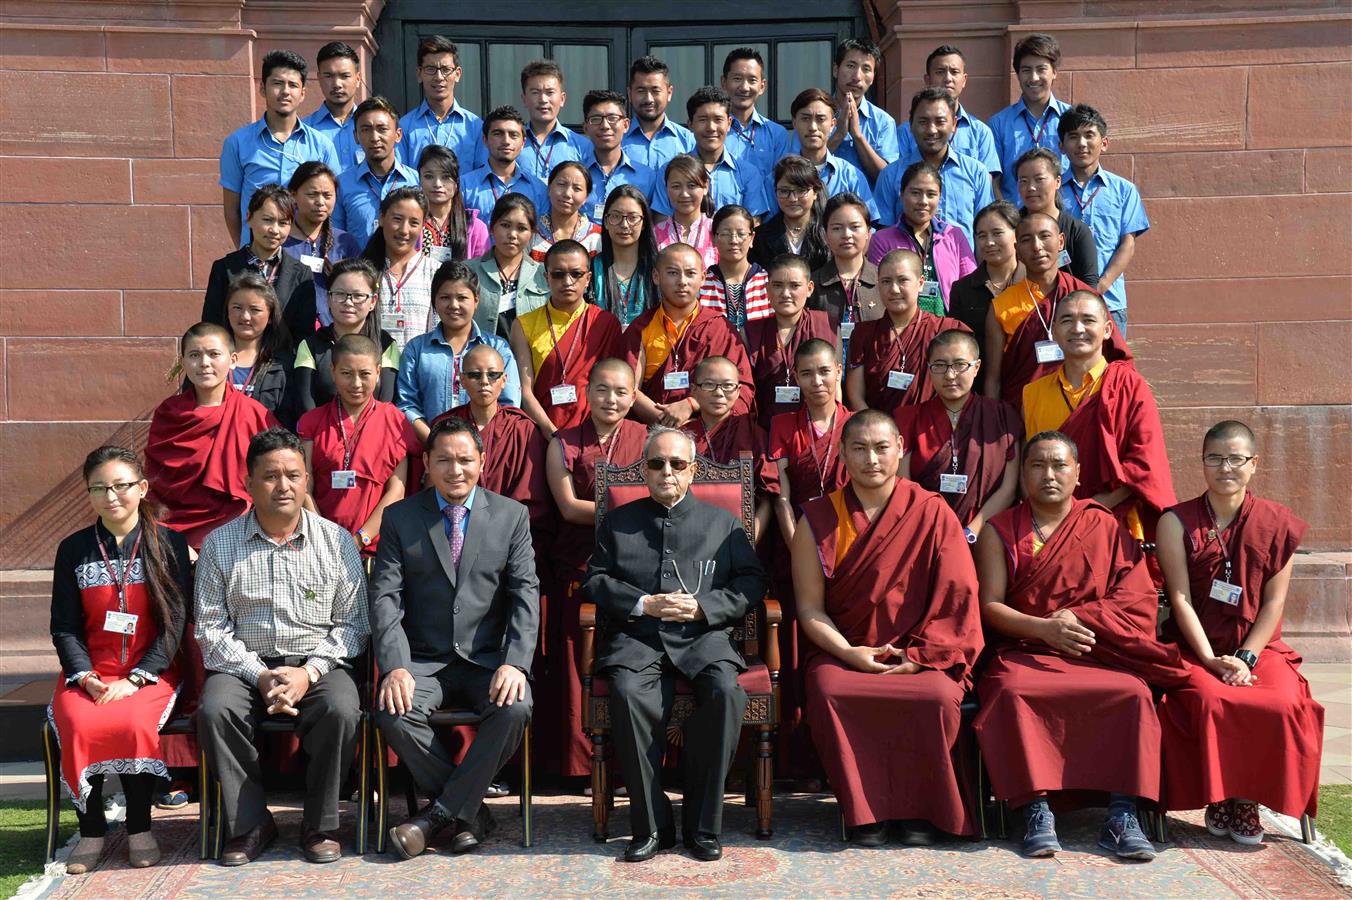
733, 488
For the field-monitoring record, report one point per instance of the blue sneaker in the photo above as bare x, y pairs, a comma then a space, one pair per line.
1040, 837
1122, 835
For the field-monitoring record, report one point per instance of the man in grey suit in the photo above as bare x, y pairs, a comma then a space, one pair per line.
671, 576
455, 610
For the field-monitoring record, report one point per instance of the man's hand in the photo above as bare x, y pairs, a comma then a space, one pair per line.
906, 668
118, 690
1231, 670
675, 414
289, 685
681, 607
396, 692
1064, 634
847, 115
508, 686
872, 659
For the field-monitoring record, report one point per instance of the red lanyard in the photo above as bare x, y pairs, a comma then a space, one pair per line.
548, 156
396, 289
350, 446
784, 348
748, 134
1220, 540
820, 465
577, 341
692, 237
614, 439
1046, 120
1080, 201
120, 581
851, 288
896, 340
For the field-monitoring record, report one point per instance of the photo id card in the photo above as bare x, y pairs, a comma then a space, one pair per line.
440, 255
899, 380
846, 329
563, 394
676, 381
119, 622
1225, 592
931, 289
787, 393
343, 479
313, 263
952, 484
1048, 352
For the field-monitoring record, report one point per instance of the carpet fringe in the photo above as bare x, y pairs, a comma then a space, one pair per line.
41, 886
1321, 846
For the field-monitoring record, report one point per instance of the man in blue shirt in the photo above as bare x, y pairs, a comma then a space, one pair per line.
966, 185
439, 119
605, 123
653, 139
362, 188
709, 115
754, 138
1109, 204
548, 142
1031, 121
865, 136
814, 117
339, 77
504, 136
270, 150
946, 68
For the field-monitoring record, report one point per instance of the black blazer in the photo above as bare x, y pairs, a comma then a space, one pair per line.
645, 548
425, 612
295, 288
772, 241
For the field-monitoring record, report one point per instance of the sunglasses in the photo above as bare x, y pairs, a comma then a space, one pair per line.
659, 463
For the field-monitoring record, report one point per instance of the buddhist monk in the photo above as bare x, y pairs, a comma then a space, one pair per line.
357, 447
199, 437
557, 344
1108, 409
893, 617
665, 343
1019, 343
775, 339
1244, 729
957, 443
1065, 698
887, 355
570, 465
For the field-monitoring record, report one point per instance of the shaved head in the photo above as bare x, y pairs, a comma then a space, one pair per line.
678, 249
867, 418
610, 366
709, 362
954, 337
1229, 430
486, 353
1081, 294
1034, 220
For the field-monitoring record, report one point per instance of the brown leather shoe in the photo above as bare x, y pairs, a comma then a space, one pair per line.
411, 836
246, 848
319, 846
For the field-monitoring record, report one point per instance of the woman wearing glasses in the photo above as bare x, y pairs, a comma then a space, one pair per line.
797, 227
622, 275
120, 589
734, 285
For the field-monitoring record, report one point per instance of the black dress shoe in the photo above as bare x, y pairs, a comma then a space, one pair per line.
704, 847
917, 833
644, 848
874, 834
469, 836
246, 848
411, 836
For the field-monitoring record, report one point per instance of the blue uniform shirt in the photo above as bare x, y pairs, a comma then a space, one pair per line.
251, 157
670, 141
428, 383
1111, 206
626, 171
966, 190
839, 176
462, 132
359, 194
763, 142
481, 189
973, 138
344, 137
560, 145
1016, 132
729, 182
880, 130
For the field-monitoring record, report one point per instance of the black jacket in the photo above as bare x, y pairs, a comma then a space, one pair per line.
295, 288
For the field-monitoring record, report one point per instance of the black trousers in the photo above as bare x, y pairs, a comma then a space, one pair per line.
137, 790
640, 707
231, 708
463, 685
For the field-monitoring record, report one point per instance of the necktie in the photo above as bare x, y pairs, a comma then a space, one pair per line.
456, 515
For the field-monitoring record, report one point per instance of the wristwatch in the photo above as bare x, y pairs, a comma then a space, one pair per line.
138, 680
971, 535
1248, 657
364, 538
311, 671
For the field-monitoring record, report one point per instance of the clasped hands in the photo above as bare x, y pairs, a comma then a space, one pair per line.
1231, 670
106, 692
677, 606
283, 687
880, 660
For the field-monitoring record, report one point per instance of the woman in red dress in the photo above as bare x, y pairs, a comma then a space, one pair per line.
120, 591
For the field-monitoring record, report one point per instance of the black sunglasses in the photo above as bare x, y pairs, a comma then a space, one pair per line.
657, 464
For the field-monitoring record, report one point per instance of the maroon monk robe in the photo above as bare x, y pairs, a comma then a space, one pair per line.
772, 364
1260, 742
599, 334
729, 438
195, 460
1019, 365
985, 440
891, 743
1035, 732
710, 334
874, 347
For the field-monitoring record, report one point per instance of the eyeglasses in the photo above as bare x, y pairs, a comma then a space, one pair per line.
567, 274
439, 71
623, 219
658, 463
121, 488
350, 298
1215, 461
481, 375
721, 387
733, 235
789, 193
612, 120
957, 368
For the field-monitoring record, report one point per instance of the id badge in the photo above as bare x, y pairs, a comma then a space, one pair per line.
1223, 591
1063, 260
120, 622
563, 394
343, 479
399, 323
787, 393
676, 381
931, 289
439, 255
313, 263
846, 329
899, 380
1048, 352
952, 484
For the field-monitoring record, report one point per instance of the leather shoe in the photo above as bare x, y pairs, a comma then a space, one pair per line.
469, 836
319, 846
644, 848
246, 848
917, 833
874, 834
411, 836
704, 847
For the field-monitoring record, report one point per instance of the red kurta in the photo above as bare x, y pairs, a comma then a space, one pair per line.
374, 447
1260, 742
726, 442
195, 460
710, 334
874, 347
772, 365
1050, 722
891, 743
599, 334
985, 440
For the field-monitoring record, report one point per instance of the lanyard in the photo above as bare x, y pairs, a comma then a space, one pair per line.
350, 446
896, 341
613, 438
1046, 120
1080, 200
120, 581
952, 445
692, 237
747, 134
397, 289
820, 465
851, 289
247, 387
580, 339
1037, 308
548, 156
269, 269
493, 187
784, 347
1216, 530
925, 250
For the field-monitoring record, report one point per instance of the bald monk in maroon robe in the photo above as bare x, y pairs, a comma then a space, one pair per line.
774, 341
961, 445
886, 368
570, 463
199, 438
665, 343
1065, 699
1244, 729
1019, 343
893, 614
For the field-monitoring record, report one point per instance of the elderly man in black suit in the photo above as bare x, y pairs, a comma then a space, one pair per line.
671, 576
455, 612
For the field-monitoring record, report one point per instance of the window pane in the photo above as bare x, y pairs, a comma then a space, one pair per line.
469, 93
585, 67
799, 65
721, 52
505, 62
687, 74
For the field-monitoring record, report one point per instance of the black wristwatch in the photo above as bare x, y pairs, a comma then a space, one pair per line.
1248, 657
138, 680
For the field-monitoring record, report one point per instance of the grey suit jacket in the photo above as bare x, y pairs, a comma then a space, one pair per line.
425, 612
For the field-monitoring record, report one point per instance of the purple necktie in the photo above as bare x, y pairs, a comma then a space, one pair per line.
456, 515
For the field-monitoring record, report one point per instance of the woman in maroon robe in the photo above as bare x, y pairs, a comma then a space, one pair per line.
773, 341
